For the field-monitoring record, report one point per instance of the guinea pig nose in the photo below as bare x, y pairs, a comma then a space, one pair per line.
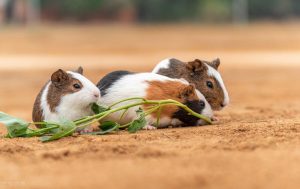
202, 104
96, 95
222, 105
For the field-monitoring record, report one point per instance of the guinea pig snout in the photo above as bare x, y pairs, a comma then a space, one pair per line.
96, 94
223, 105
202, 104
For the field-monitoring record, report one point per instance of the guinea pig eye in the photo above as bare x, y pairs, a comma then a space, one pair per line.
209, 84
76, 86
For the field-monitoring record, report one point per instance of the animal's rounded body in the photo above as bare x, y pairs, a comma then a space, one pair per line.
122, 85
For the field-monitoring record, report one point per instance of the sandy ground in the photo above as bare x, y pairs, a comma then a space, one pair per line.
256, 144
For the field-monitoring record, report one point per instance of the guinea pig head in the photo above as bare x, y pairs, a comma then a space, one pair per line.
193, 99
183, 92
208, 80
71, 89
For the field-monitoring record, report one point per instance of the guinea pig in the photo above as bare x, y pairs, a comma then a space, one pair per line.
68, 95
203, 74
120, 85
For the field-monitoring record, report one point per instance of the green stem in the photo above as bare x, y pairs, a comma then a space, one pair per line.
89, 118
123, 114
160, 103
125, 126
41, 131
191, 111
128, 99
151, 110
43, 123
91, 121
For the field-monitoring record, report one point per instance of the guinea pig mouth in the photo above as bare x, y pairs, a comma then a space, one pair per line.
89, 106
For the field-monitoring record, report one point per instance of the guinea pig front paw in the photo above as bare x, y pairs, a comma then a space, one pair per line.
149, 127
85, 131
215, 119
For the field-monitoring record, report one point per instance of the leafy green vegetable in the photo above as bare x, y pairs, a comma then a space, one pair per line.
139, 123
40, 132
98, 109
15, 127
66, 128
106, 127
52, 131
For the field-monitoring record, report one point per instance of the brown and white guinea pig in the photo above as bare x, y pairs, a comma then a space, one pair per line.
68, 95
203, 74
120, 85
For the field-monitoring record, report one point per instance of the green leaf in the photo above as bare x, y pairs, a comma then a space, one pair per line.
66, 128
139, 123
15, 127
42, 131
98, 109
62, 125
106, 127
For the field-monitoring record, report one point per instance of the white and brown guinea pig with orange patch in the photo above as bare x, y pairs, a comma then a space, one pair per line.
203, 74
120, 85
68, 95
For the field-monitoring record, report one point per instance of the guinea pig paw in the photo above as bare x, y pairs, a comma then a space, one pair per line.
215, 119
149, 127
85, 131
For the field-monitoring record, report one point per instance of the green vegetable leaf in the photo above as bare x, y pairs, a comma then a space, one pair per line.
139, 123
98, 109
15, 127
66, 128
106, 127
40, 132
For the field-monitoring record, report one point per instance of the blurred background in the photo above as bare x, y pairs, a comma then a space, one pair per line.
258, 42
147, 11
39, 36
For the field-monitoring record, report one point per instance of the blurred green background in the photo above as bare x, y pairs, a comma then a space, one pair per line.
149, 11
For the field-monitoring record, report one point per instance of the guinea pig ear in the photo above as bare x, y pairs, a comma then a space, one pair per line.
187, 91
59, 77
215, 63
195, 66
79, 70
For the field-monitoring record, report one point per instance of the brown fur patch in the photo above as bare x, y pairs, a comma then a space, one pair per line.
162, 90
196, 73
37, 112
214, 96
215, 63
56, 92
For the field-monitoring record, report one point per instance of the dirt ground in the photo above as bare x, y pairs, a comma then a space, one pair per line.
256, 143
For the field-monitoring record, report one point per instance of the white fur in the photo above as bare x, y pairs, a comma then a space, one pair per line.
163, 121
214, 73
207, 110
164, 64
72, 106
135, 85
